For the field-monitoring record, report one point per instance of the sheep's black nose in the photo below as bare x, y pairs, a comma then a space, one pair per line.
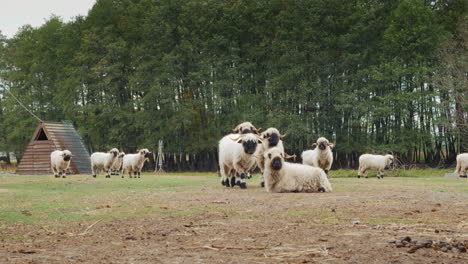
322, 146
245, 131
115, 154
67, 158
276, 164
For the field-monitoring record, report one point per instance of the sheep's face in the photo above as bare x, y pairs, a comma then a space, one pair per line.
114, 152
121, 155
276, 159
66, 154
390, 159
249, 143
145, 153
245, 128
273, 136
323, 143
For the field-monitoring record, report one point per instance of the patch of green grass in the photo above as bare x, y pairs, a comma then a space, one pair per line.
416, 173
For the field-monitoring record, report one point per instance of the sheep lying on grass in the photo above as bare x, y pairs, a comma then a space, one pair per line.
374, 162
103, 161
236, 158
321, 156
281, 176
133, 163
462, 165
60, 161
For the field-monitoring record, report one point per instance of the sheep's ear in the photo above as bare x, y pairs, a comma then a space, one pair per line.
314, 145
331, 145
282, 136
269, 155
239, 141
235, 131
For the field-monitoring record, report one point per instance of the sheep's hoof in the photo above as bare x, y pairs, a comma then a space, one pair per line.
64, 176
463, 176
107, 176
321, 189
242, 176
122, 176
94, 176
358, 176
223, 183
56, 176
366, 177
262, 184
226, 183
242, 185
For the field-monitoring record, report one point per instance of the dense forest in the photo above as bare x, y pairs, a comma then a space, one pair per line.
370, 75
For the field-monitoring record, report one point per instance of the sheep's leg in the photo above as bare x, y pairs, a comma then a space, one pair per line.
64, 174
241, 181
55, 172
59, 174
379, 172
463, 173
94, 171
138, 174
326, 172
359, 172
224, 171
108, 173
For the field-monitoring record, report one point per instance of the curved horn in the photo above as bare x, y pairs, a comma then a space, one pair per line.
287, 156
234, 139
282, 136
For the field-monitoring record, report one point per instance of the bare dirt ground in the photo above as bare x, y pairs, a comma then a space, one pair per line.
214, 224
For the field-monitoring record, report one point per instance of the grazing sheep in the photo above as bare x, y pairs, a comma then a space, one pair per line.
237, 157
374, 162
103, 161
60, 161
133, 163
321, 156
245, 128
117, 165
281, 176
462, 165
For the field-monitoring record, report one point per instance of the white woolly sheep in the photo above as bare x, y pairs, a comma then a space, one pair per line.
374, 162
462, 165
133, 163
245, 128
321, 156
272, 138
117, 165
236, 158
60, 161
103, 161
281, 176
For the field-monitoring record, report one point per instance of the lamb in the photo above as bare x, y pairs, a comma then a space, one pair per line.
462, 165
375, 162
60, 161
236, 158
103, 161
281, 176
321, 156
117, 165
245, 128
133, 163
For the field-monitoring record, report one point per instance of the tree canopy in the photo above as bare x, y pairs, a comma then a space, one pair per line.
370, 75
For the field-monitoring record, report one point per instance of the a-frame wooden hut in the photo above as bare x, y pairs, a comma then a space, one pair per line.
47, 138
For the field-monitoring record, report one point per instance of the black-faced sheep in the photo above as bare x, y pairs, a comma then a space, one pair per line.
321, 156
374, 162
237, 158
281, 176
103, 161
60, 161
133, 163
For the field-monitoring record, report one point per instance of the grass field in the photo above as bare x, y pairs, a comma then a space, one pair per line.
193, 210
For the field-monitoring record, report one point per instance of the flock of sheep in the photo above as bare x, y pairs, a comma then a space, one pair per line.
112, 162
240, 152
245, 148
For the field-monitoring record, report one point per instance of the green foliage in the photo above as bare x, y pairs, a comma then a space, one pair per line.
131, 72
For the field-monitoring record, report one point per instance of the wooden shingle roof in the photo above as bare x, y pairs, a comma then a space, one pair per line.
48, 137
